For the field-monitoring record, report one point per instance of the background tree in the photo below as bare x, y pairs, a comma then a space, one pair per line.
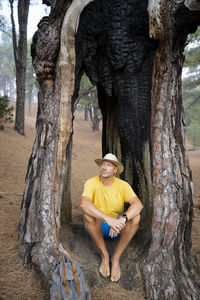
191, 88
20, 56
89, 100
31, 83
3, 22
7, 65
94, 111
6, 111
85, 88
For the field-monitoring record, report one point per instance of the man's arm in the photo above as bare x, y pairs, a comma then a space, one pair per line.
89, 208
135, 208
133, 211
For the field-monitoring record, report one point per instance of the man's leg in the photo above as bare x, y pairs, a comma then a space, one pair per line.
126, 235
93, 226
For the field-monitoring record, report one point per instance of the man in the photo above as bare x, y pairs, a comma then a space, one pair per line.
102, 203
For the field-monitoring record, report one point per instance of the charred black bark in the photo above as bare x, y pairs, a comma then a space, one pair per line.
117, 55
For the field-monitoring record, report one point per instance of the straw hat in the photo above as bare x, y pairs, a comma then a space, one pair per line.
113, 159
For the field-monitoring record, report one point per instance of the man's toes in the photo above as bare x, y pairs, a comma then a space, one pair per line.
104, 273
104, 269
116, 272
115, 277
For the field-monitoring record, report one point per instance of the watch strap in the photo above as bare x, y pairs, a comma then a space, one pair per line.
125, 216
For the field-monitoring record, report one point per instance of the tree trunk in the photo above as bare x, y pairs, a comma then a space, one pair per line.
20, 93
96, 121
30, 99
48, 174
20, 55
86, 110
142, 124
170, 250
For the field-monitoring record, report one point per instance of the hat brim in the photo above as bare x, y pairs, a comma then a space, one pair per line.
120, 167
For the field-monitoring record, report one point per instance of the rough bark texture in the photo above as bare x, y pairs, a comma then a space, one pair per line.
170, 269
38, 230
147, 135
49, 164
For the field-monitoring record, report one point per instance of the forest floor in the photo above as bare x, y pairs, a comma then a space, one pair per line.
18, 282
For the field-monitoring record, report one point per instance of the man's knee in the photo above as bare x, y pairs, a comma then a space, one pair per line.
89, 219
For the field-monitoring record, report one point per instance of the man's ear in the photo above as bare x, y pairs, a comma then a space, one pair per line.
115, 171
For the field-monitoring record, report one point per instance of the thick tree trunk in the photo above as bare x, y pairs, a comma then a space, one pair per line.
48, 175
171, 271
144, 129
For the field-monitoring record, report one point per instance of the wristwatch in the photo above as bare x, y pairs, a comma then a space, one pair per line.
125, 216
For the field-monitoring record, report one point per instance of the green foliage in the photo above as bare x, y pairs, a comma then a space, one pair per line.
91, 97
6, 111
2, 23
191, 82
193, 39
84, 85
7, 74
191, 89
192, 59
191, 102
89, 100
193, 132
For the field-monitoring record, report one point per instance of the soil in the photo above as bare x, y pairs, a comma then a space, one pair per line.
20, 283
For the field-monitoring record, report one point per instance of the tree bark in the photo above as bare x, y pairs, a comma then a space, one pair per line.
20, 55
142, 124
123, 78
49, 164
170, 251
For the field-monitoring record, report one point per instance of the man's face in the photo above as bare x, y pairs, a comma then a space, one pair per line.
107, 169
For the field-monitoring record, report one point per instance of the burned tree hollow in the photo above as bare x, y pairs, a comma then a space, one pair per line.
133, 53
117, 55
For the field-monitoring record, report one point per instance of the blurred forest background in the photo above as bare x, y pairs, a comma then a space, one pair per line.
87, 101
191, 88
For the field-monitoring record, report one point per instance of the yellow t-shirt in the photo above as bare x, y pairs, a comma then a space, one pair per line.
109, 200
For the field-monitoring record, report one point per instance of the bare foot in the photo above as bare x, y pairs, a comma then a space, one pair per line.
104, 268
115, 272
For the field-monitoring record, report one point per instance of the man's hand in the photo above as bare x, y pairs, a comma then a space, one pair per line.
113, 232
116, 224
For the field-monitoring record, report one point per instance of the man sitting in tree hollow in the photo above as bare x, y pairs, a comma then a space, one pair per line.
102, 203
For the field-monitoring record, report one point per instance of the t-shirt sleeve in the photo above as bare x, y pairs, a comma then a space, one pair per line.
128, 193
88, 190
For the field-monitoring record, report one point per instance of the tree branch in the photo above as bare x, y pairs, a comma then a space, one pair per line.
85, 92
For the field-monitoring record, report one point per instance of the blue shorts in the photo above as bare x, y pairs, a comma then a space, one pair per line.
105, 230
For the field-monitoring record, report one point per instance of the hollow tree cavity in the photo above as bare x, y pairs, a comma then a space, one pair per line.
117, 55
